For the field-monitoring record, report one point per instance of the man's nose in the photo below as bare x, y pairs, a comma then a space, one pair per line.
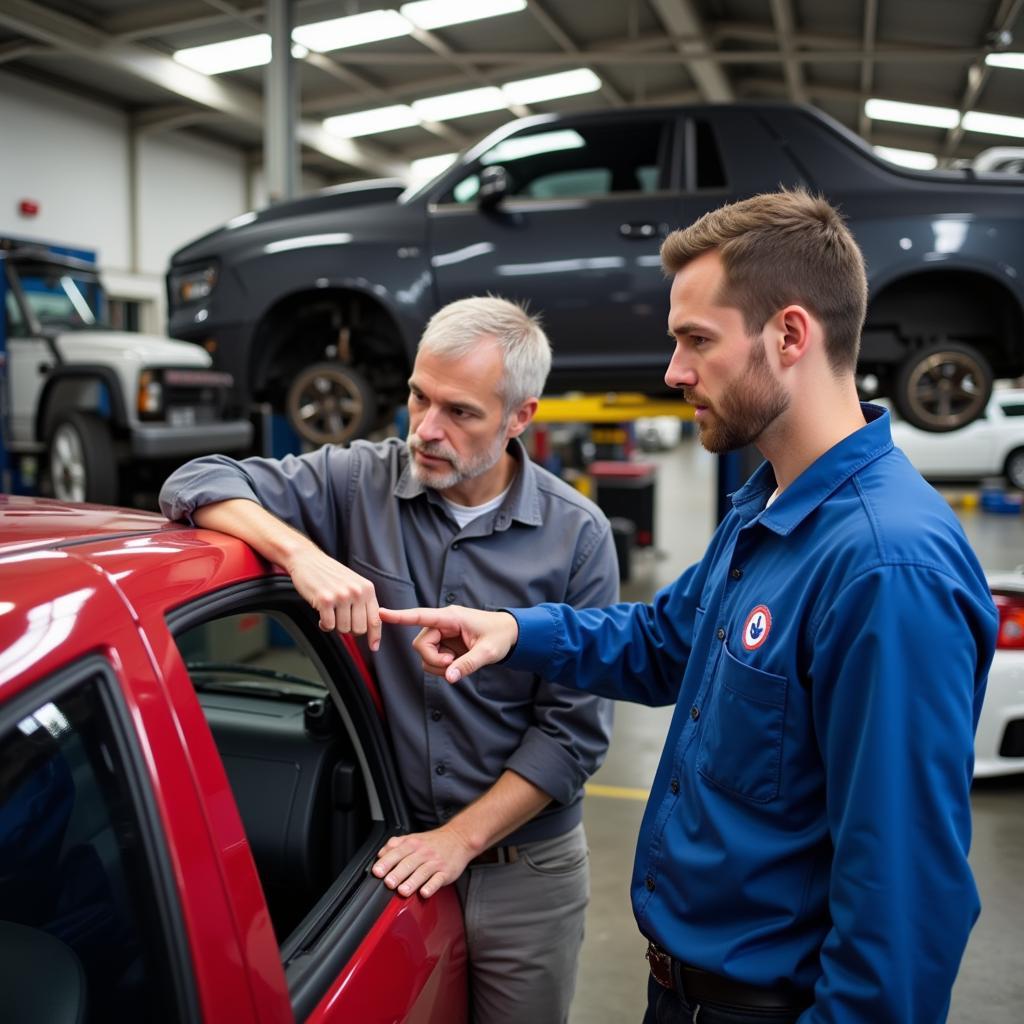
679, 374
429, 426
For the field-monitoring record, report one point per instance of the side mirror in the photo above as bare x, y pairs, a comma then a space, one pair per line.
494, 186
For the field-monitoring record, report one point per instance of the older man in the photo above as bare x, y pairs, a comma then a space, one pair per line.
457, 513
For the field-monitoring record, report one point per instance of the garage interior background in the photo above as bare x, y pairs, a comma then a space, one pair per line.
114, 142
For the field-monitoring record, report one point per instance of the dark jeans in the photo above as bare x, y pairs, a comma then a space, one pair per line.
665, 1007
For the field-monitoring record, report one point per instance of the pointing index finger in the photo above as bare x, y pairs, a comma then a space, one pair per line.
412, 616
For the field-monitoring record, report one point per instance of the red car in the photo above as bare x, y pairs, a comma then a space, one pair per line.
194, 781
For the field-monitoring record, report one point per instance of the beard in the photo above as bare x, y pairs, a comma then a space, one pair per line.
748, 406
459, 469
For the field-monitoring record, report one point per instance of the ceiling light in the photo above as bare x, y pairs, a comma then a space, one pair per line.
994, 124
912, 113
337, 33
460, 104
231, 55
369, 122
429, 14
1006, 60
552, 87
908, 158
430, 166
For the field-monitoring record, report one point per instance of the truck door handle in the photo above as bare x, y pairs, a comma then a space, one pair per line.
638, 229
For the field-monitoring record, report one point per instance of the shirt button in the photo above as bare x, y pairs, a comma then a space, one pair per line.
649, 882
720, 634
695, 712
450, 596
455, 545
736, 573
674, 785
440, 769
435, 715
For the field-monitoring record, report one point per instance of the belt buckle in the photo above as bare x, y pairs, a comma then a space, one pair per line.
661, 966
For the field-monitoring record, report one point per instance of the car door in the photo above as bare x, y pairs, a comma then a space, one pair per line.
576, 238
289, 750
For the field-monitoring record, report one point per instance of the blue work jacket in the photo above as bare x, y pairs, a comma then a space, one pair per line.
809, 821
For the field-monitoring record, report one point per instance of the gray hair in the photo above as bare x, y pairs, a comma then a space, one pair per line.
455, 330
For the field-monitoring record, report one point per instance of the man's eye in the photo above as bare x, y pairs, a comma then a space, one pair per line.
459, 413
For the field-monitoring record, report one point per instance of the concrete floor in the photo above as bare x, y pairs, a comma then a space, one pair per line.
613, 973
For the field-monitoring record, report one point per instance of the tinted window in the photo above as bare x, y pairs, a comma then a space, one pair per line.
1014, 409
710, 170
291, 761
585, 160
74, 879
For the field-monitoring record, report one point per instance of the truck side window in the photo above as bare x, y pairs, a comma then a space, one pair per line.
585, 160
76, 893
293, 766
710, 170
16, 327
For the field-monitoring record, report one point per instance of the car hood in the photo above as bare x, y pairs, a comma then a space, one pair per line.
297, 217
145, 349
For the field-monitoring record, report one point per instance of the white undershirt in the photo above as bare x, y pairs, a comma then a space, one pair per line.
772, 497
464, 514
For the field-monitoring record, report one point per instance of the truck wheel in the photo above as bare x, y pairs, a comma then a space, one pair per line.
330, 403
80, 454
943, 387
1014, 468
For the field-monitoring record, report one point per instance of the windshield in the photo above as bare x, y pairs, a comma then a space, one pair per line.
62, 298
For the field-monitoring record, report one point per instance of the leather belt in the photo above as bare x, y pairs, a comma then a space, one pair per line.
497, 855
697, 986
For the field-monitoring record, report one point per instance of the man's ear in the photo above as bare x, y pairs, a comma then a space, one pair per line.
519, 419
793, 328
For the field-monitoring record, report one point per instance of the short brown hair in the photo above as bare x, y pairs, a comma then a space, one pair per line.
779, 248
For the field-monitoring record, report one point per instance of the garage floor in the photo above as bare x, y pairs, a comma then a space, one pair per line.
613, 976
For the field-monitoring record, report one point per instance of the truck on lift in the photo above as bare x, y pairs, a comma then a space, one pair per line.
316, 305
88, 413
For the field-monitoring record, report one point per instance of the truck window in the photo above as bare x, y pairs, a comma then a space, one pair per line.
61, 300
16, 327
581, 161
710, 170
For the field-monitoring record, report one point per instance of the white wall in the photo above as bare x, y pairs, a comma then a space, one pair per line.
72, 156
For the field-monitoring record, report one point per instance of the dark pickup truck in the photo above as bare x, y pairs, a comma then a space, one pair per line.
316, 305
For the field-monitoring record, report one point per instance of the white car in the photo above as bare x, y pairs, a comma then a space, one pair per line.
993, 445
999, 744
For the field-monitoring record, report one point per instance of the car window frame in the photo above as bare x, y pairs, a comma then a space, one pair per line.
323, 943
54, 687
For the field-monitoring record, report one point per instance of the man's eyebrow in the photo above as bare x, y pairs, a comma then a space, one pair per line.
468, 403
690, 327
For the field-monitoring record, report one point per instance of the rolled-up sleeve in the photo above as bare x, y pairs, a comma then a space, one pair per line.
569, 737
304, 491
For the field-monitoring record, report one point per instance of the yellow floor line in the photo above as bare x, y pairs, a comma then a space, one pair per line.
616, 792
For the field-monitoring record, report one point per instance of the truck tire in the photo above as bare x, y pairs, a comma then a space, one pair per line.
1014, 468
943, 386
80, 459
330, 403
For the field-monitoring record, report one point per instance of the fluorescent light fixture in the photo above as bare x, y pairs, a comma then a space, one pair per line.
530, 145
912, 113
460, 104
994, 124
908, 158
552, 87
430, 166
369, 122
355, 30
1006, 60
429, 14
231, 55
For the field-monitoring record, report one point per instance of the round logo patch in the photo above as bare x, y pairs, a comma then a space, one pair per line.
757, 627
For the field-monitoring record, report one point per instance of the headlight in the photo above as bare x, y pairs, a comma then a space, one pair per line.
194, 285
150, 396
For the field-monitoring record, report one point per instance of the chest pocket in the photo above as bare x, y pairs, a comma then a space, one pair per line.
392, 591
741, 743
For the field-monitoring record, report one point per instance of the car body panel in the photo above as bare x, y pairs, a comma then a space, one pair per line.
84, 580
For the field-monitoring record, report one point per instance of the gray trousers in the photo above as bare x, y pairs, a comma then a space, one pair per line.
524, 929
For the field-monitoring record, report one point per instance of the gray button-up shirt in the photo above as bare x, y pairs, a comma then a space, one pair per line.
545, 542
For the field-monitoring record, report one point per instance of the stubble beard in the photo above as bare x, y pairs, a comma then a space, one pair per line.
461, 469
747, 408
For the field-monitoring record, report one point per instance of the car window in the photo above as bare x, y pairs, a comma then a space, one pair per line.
579, 161
76, 890
295, 766
1013, 409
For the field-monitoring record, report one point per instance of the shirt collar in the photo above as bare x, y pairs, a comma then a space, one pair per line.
522, 502
818, 481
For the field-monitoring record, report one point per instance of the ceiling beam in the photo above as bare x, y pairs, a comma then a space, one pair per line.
867, 68
782, 15
680, 18
75, 36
